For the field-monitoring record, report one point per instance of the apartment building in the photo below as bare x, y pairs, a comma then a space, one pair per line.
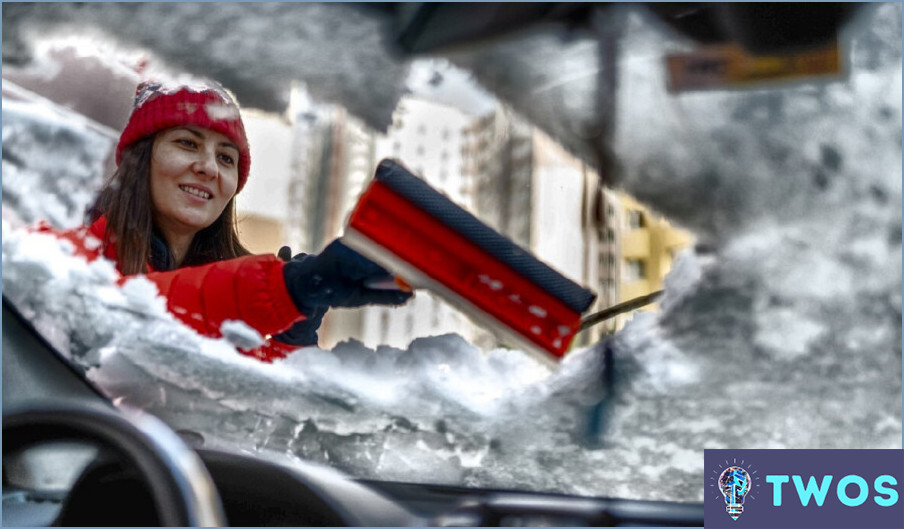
649, 246
508, 173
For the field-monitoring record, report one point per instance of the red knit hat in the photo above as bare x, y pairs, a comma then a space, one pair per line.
159, 107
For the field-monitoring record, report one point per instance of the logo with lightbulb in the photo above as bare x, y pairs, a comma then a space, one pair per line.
735, 484
797, 488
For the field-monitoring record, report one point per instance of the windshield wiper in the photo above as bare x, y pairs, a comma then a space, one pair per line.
627, 306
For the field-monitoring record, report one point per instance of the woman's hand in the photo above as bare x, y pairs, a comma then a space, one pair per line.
337, 277
301, 333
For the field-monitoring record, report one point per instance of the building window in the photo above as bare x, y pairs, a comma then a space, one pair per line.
635, 270
607, 260
610, 210
610, 235
636, 219
420, 150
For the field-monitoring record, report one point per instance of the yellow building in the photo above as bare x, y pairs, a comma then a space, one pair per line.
649, 245
630, 251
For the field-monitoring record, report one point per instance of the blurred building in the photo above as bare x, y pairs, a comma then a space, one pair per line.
262, 206
428, 138
634, 249
310, 165
339, 161
649, 246
497, 153
506, 172
545, 199
603, 256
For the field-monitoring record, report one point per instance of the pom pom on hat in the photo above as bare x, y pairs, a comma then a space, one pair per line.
159, 107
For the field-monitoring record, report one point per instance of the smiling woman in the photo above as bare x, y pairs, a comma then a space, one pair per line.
184, 136
168, 211
194, 175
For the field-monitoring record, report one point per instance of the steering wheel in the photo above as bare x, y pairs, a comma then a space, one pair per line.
182, 491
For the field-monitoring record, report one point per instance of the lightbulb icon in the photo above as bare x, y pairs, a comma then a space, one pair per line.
734, 482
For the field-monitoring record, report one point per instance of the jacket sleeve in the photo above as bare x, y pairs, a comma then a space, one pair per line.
250, 288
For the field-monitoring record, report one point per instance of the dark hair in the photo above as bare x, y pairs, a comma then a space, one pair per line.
125, 200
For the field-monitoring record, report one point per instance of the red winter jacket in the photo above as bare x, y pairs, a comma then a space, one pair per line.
249, 288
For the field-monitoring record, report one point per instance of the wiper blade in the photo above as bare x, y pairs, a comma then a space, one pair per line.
613, 311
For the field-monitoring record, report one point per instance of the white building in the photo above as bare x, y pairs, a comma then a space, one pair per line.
262, 206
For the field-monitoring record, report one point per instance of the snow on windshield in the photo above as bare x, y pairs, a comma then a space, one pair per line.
440, 411
40, 186
781, 330
340, 45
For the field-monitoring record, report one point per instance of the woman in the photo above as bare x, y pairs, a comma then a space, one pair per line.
168, 212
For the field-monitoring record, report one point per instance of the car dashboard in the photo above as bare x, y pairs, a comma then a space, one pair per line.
260, 493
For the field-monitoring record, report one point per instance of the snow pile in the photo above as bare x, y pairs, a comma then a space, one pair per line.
53, 161
439, 411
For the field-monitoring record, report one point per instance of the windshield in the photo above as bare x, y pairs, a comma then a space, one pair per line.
769, 214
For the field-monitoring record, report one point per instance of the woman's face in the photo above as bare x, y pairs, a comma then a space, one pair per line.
194, 174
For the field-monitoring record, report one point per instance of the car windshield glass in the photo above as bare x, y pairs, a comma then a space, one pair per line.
765, 202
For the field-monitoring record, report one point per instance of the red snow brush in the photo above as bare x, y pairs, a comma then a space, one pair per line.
422, 237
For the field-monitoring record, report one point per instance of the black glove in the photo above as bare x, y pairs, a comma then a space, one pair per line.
302, 333
336, 278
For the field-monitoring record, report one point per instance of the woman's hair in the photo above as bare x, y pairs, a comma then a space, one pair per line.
125, 200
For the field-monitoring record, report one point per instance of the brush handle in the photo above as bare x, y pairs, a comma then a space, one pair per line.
393, 283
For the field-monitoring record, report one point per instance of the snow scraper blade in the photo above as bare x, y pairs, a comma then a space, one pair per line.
425, 239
